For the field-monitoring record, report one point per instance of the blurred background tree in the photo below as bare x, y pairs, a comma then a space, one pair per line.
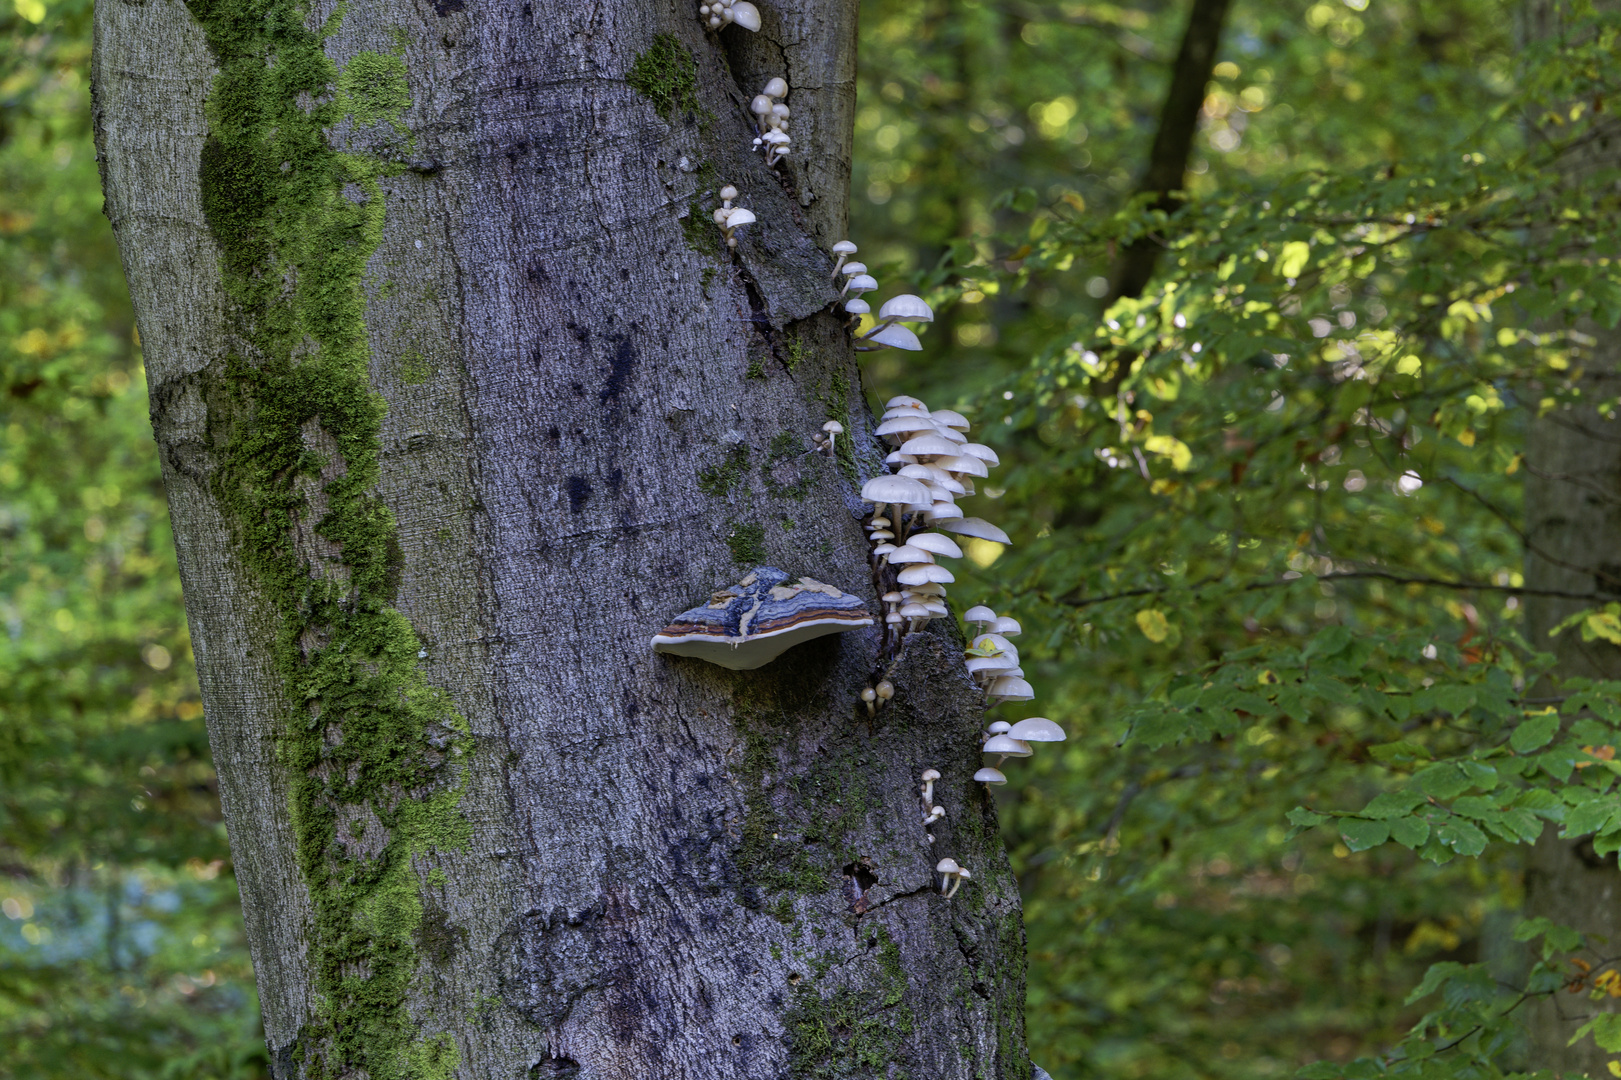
1270, 519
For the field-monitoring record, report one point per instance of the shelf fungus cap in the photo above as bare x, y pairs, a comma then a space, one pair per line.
893, 489
1007, 744
747, 16
1037, 729
979, 529
906, 307
760, 618
988, 775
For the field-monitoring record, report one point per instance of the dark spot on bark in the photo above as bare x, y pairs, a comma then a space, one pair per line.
437, 937
579, 490
579, 391
528, 10
553, 435
553, 1068
535, 271
624, 273
582, 334
862, 873
620, 365
616, 480
444, 7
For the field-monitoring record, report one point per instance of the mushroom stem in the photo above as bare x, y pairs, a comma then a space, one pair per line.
877, 326
956, 883
836, 266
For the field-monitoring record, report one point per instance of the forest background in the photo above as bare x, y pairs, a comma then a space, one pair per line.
1274, 590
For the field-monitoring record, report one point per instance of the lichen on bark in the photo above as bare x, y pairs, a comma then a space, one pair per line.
376, 755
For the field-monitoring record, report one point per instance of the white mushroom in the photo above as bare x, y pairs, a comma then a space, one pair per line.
843, 249
988, 775
745, 15
979, 529
834, 429
929, 777
857, 306
979, 615
860, 283
888, 336
1006, 626
778, 87
1036, 729
1006, 746
937, 545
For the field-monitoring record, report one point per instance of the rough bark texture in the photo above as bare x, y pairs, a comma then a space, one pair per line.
459, 398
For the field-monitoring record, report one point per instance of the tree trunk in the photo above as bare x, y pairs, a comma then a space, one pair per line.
460, 397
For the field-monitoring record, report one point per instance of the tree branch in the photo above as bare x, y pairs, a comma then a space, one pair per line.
1382, 575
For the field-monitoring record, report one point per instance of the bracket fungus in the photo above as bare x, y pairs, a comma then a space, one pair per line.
755, 621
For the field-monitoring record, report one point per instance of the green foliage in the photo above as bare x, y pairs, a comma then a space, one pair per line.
1268, 556
121, 941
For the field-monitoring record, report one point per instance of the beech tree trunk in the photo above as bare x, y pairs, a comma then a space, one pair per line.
460, 398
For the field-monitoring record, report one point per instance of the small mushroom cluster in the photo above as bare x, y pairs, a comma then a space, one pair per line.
730, 217
885, 332
951, 874
1007, 740
773, 117
717, 13
915, 506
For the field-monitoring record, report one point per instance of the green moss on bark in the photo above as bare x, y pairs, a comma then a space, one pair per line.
297, 428
851, 1034
667, 76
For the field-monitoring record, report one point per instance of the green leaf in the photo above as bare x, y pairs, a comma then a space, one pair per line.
1534, 734
1591, 816
1410, 832
1394, 804
1462, 837
1360, 834
1444, 781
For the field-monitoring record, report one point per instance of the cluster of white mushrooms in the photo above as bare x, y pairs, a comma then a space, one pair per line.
916, 505
885, 332
730, 217
717, 13
951, 874
773, 117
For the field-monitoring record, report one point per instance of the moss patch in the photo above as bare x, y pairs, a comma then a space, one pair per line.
298, 430
667, 76
719, 480
747, 543
786, 447
848, 1034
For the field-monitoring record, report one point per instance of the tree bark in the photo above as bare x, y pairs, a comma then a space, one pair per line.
459, 399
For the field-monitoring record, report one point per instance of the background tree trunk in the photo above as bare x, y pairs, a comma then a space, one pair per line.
459, 399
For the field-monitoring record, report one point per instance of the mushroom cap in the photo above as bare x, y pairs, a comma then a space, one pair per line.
898, 458
728, 193
965, 465
988, 775
1011, 688
964, 874
901, 399
943, 511
921, 473
857, 306
910, 411
952, 419
947, 866
834, 426
739, 216
918, 573
893, 489
906, 553
755, 623
893, 598
862, 283
980, 451
979, 613
930, 774
935, 544
1037, 729
950, 434
746, 15
915, 611
778, 87
995, 639
998, 663
883, 549
928, 588
1006, 744
912, 421
979, 529
760, 105
852, 268
894, 617
908, 307
928, 445
1006, 625
999, 727
893, 336
844, 247
946, 487
776, 138
937, 610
